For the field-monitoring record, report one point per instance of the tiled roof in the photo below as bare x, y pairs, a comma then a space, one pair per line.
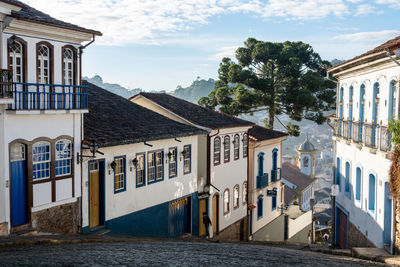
289, 195
389, 45
258, 133
293, 174
194, 113
113, 120
30, 14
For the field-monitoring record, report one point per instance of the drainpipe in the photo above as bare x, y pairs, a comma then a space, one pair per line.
209, 169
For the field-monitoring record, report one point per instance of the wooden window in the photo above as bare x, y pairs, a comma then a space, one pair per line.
226, 201
68, 66
236, 144
245, 144
155, 166
371, 194
172, 162
151, 167
217, 151
244, 193
347, 183
41, 158
159, 155
358, 183
63, 157
119, 174
227, 148
140, 169
187, 163
16, 61
43, 71
17, 152
260, 205
274, 200
236, 197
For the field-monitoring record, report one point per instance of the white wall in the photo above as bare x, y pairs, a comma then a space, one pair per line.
134, 199
298, 224
227, 175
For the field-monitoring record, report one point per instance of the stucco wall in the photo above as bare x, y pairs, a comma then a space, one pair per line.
274, 231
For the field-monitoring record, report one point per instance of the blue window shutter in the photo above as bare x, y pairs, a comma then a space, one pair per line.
358, 184
371, 199
347, 185
338, 173
275, 159
260, 207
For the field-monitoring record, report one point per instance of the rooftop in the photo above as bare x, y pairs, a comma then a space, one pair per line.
258, 133
113, 120
194, 113
28, 13
293, 174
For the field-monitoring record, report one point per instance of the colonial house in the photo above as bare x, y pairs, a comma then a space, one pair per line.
222, 159
41, 108
367, 98
265, 188
140, 170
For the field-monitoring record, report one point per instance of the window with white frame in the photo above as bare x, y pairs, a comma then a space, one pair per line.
43, 64
187, 163
217, 150
16, 61
119, 174
226, 201
236, 143
140, 169
227, 148
41, 160
236, 196
151, 167
172, 163
17, 152
159, 165
68, 61
245, 144
63, 157
244, 193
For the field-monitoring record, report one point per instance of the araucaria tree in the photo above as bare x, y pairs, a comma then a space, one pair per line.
280, 78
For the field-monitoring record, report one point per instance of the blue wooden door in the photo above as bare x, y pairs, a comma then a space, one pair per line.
387, 230
18, 185
179, 217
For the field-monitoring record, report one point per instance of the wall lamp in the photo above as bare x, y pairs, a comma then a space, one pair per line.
93, 148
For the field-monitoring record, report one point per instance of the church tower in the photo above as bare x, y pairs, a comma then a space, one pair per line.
305, 159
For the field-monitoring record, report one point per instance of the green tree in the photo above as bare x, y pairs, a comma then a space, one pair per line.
280, 78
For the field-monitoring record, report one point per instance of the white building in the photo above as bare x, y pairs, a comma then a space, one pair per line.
222, 159
143, 179
367, 97
41, 109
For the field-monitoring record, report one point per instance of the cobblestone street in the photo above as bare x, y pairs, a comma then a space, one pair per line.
168, 254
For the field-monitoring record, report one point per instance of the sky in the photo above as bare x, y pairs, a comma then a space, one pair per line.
160, 44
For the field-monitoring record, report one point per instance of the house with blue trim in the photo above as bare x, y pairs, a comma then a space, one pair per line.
140, 170
42, 103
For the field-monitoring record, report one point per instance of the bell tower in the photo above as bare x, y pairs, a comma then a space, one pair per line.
305, 159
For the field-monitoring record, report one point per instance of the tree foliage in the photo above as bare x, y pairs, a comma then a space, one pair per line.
281, 78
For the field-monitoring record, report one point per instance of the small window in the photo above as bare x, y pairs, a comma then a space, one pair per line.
236, 197
236, 142
358, 184
63, 157
371, 197
274, 200
217, 150
41, 160
245, 144
347, 180
151, 167
227, 148
159, 165
172, 163
155, 166
17, 152
226, 201
140, 169
187, 164
305, 162
119, 174
244, 193
260, 206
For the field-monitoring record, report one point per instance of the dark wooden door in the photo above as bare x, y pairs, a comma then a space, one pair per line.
342, 229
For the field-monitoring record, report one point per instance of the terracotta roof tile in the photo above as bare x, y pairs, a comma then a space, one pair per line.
258, 133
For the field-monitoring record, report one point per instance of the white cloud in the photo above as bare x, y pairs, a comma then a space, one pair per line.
368, 36
366, 9
225, 51
391, 3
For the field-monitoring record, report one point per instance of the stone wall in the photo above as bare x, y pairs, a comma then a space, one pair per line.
235, 232
61, 219
3, 229
358, 239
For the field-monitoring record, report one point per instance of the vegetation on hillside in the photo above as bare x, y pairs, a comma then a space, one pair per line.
113, 87
199, 88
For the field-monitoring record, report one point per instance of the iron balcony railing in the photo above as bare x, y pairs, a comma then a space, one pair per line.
357, 132
385, 139
275, 175
36, 96
370, 134
262, 181
6, 89
337, 125
346, 131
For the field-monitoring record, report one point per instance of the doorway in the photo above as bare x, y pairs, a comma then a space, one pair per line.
215, 217
96, 194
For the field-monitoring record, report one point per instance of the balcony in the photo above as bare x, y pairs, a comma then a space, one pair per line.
35, 96
370, 134
385, 143
6, 90
357, 132
262, 181
276, 175
337, 126
347, 129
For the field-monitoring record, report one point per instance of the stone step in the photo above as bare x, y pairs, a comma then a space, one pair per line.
102, 232
25, 232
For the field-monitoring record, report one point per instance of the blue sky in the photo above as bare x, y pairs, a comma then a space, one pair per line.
159, 44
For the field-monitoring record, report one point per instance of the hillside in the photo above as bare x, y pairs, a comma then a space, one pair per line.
112, 87
198, 88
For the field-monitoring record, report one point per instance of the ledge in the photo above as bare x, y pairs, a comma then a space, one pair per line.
35, 112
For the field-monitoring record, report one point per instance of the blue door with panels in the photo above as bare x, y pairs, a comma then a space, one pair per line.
179, 216
387, 226
18, 185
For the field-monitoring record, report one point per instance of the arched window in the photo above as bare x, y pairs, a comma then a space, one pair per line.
375, 110
275, 159
337, 175
371, 193
245, 144
41, 160
236, 142
350, 111
244, 193
63, 157
392, 100
226, 201
217, 150
361, 111
43, 74
16, 61
358, 183
260, 206
347, 177
68, 66
236, 197
274, 200
261, 164
305, 162
227, 148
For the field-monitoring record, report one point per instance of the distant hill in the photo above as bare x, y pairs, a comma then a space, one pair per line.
113, 87
198, 88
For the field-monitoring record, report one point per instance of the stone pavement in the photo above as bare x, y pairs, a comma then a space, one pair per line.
105, 251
